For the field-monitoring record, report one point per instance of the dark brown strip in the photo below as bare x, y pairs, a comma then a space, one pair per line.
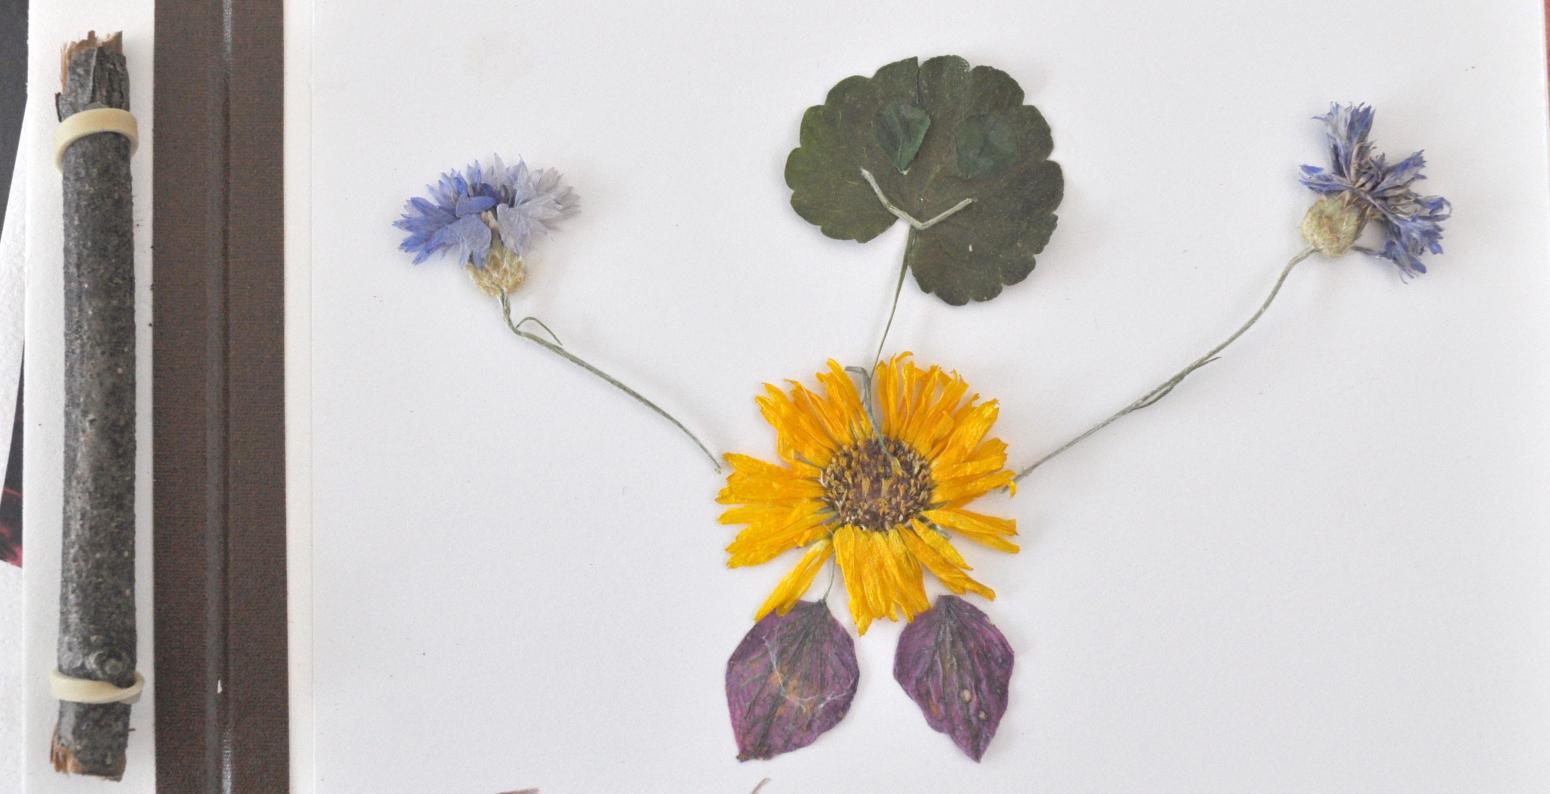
218, 391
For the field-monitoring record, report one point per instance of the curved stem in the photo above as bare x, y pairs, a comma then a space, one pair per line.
541, 324
833, 564
905, 216
1162, 389
892, 310
867, 403
516, 328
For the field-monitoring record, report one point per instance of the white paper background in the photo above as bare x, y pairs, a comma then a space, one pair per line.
52, 25
1319, 565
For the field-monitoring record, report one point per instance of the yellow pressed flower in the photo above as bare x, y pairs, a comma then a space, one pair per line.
879, 499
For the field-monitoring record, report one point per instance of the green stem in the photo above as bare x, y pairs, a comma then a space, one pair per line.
541, 324
833, 564
867, 402
1162, 389
892, 310
516, 328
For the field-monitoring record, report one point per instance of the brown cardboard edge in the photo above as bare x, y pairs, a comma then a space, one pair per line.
218, 398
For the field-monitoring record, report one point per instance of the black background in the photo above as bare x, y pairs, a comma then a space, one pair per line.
13, 86
13, 96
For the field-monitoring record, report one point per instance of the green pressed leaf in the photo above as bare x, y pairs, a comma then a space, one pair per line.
901, 129
934, 135
985, 144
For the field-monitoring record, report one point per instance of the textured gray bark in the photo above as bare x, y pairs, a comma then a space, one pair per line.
96, 594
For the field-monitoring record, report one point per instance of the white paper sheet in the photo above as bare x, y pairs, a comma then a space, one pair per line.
52, 26
1317, 566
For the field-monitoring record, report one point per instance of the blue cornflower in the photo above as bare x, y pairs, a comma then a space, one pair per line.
450, 219
470, 213
1359, 186
531, 202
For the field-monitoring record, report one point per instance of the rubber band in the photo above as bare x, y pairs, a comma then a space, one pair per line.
86, 690
91, 122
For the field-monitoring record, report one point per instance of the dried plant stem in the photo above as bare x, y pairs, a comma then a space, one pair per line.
915, 226
892, 310
97, 634
1162, 389
555, 348
905, 216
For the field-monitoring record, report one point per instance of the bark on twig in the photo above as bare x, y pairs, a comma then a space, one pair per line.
96, 594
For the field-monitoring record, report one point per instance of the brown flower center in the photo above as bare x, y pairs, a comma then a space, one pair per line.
877, 484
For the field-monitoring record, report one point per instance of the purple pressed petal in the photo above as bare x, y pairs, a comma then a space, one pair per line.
419, 246
516, 228
469, 235
431, 211
956, 666
1325, 183
1403, 173
1345, 129
791, 679
473, 205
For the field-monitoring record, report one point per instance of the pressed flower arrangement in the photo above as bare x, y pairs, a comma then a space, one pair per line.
877, 466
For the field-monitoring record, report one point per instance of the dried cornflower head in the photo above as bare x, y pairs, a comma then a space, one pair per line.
503, 271
488, 218
1360, 186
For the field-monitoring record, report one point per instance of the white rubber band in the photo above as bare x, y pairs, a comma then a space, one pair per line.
85, 690
91, 122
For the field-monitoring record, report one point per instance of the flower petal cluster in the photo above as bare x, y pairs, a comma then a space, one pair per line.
1375, 190
467, 213
448, 220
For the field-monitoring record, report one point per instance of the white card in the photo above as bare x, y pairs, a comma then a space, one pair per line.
1318, 565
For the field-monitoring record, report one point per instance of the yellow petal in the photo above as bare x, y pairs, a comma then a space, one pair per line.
798, 435
885, 387
928, 546
845, 401
940, 416
760, 543
752, 480
969, 429
836, 434
961, 491
869, 574
971, 468
767, 512
795, 584
845, 555
987, 530
940, 544
907, 574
